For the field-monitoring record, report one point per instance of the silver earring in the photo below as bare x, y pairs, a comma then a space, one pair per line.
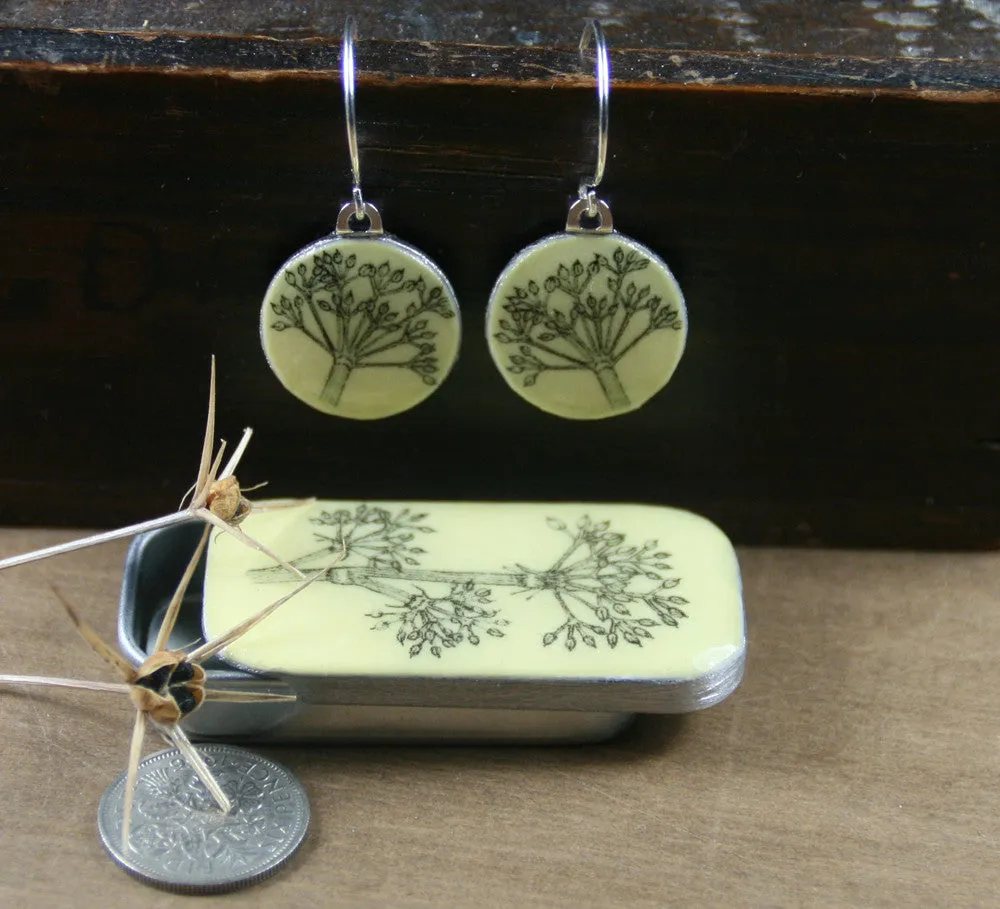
359, 324
587, 323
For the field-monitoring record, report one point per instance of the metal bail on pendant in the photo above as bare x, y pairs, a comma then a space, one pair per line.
600, 218
348, 217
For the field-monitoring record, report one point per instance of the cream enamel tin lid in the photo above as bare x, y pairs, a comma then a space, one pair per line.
593, 606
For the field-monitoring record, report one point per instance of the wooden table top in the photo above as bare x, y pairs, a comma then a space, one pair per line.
857, 765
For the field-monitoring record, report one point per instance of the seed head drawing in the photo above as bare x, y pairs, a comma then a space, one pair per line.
584, 316
607, 591
365, 315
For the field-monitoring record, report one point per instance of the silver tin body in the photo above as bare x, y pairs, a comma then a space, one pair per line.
362, 709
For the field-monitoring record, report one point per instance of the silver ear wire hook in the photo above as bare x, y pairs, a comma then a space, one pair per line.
357, 209
589, 205
350, 116
588, 188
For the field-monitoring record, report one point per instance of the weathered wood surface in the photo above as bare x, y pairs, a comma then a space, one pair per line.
831, 220
392, 62
961, 29
855, 766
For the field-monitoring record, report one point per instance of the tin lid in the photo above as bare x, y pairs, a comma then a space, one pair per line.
560, 606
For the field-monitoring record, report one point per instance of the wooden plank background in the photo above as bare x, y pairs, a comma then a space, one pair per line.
832, 221
943, 29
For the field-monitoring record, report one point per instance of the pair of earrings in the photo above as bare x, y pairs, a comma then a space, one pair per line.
583, 324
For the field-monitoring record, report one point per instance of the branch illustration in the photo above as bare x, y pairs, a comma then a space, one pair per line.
584, 317
422, 620
364, 315
608, 592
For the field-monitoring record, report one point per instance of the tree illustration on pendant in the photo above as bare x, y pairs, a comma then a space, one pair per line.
586, 327
360, 327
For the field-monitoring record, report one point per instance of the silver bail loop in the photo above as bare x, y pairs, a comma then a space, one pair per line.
588, 188
347, 78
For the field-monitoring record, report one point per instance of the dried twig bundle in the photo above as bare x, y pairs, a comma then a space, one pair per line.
169, 685
216, 499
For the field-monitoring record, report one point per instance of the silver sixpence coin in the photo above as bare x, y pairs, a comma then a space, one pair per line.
180, 839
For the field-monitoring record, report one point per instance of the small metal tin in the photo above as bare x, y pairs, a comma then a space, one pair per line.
471, 689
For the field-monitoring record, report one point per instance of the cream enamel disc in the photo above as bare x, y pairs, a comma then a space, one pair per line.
360, 327
586, 326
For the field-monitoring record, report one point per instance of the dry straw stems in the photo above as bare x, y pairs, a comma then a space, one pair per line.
168, 686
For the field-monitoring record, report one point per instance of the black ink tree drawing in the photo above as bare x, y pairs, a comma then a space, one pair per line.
364, 315
584, 317
607, 592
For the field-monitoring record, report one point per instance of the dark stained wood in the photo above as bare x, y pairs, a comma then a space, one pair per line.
393, 61
956, 29
832, 222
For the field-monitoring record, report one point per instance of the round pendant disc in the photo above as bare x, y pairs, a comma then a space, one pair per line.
586, 326
360, 327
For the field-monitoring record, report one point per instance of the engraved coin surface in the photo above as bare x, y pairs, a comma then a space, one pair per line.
586, 326
361, 327
180, 839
